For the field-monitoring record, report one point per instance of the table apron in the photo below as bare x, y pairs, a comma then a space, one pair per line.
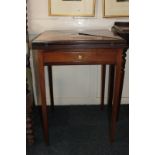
107, 56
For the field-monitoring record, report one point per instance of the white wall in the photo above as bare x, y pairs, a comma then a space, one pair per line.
73, 84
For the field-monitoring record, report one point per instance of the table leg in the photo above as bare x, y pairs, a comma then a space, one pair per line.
110, 88
41, 82
50, 77
120, 94
111, 83
116, 93
103, 73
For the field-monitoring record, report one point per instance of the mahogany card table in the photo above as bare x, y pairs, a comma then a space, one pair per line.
95, 47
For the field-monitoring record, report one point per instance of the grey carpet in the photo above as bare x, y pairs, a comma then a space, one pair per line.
80, 130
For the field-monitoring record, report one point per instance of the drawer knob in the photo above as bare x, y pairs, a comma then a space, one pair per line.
79, 57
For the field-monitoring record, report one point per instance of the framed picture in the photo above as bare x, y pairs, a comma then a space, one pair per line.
71, 7
116, 8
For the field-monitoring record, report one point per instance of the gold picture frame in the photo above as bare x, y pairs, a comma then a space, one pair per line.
71, 7
116, 8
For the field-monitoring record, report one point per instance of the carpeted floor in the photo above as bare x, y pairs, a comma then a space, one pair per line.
80, 130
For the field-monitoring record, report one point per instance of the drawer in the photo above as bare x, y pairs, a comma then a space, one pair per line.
86, 56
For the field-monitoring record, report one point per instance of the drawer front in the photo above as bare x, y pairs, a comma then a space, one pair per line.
97, 56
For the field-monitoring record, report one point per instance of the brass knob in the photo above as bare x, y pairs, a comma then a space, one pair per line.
80, 57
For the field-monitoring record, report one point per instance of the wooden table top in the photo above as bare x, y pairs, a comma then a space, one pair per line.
66, 37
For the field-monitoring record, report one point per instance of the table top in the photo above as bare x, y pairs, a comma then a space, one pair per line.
55, 38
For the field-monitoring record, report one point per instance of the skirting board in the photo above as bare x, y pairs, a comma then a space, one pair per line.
82, 101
